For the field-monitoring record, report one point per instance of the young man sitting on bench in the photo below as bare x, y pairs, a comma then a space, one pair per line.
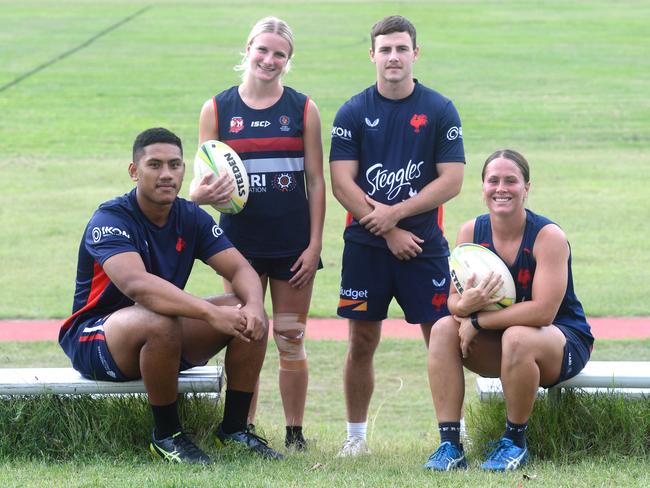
131, 317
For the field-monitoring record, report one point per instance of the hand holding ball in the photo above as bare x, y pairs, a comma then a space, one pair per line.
216, 158
467, 259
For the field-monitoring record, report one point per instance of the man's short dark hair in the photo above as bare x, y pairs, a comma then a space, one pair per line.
390, 24
154, 136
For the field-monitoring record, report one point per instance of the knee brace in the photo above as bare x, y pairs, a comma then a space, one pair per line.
289, 335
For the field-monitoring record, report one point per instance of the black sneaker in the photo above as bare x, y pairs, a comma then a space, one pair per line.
249, 441
296, 442
178, 448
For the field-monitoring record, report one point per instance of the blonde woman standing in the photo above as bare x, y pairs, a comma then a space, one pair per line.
276, 131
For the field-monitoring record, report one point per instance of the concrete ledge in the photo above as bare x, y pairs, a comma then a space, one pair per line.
628, 378
67, 381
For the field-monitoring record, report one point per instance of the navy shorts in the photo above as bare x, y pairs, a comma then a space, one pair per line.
576, 354
372, 276
276, 268
90, 355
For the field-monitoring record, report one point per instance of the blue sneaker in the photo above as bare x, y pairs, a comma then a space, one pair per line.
446, 458
506, 456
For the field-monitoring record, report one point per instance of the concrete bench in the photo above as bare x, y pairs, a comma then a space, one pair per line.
67, 381
628, 378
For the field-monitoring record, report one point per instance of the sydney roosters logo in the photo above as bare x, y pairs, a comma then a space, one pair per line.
236, 124
439, 300
524, 277
419, 120
180, 244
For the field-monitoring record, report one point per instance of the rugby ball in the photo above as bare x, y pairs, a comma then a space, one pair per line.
218, 158
467, 259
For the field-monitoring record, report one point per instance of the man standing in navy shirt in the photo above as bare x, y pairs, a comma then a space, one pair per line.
396, 156
131, 318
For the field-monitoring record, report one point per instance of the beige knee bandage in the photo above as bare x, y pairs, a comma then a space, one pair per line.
289, 335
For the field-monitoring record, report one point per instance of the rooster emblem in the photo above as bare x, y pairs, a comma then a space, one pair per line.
417, 121
438, 300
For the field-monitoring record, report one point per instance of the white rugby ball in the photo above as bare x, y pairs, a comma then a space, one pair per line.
218, 158
467, 259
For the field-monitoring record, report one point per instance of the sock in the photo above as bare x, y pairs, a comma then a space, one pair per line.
357, 429
516, 433
293, 432
235, 411
166, 420
463, 429
449, 432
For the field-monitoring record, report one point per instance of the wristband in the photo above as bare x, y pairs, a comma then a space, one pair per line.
474, 320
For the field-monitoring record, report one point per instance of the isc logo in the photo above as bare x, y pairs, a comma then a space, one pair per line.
260, 123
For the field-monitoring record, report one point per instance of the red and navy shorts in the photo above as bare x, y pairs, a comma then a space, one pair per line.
89, 353
577, 351
371, 277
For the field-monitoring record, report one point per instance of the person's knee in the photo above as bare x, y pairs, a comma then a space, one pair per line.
444, 332
289, 335
363, 343
517, 344
163, 328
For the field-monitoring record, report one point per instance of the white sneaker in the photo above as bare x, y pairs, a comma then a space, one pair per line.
354, 446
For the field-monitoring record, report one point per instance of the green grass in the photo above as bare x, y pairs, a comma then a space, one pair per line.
372, 472
579, 425
94, 442
564, 82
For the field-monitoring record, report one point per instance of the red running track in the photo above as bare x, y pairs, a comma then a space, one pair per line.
336, 329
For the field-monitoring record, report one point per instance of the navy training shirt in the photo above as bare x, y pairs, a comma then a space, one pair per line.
169, 252
398, 144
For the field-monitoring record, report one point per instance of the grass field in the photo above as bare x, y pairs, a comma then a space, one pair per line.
566, 83
96, 449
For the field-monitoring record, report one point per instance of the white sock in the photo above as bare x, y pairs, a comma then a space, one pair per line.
357, 429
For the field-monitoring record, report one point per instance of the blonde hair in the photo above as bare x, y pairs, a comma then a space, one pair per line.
267, 25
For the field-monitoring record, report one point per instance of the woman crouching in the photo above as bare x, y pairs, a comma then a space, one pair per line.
542, 339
